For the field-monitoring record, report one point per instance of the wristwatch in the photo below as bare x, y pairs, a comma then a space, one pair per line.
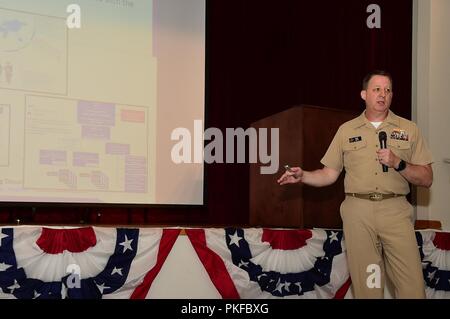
401, 166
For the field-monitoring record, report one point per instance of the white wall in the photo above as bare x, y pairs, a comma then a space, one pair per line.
431, 101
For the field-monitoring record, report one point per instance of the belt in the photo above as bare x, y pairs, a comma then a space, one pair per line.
375, 197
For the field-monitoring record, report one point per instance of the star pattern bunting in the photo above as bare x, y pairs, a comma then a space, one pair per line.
13, 280
284, 284
113, 276
242, 263
435, 254
264, 263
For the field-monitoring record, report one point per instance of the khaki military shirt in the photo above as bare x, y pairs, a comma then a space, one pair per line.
355, 146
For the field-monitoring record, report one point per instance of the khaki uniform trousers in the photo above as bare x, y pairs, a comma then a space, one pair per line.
382, 233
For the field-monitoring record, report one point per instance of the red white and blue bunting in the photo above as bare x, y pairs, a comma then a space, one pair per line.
94, 262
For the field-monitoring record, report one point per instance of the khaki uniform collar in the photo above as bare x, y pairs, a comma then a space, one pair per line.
390, 119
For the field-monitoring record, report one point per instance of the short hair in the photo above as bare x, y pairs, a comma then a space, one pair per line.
371, 74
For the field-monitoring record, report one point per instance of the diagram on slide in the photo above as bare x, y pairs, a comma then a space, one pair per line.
82, 145
5, 122
33, 52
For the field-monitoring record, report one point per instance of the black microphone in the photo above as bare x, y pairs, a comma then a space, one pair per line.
382, 136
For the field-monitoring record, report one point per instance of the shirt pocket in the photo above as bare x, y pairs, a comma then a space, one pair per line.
354, 146
355, 153
400, 148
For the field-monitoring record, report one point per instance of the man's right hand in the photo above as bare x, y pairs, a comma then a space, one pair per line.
292, 176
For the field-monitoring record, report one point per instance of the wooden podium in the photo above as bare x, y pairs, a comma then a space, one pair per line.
305, 134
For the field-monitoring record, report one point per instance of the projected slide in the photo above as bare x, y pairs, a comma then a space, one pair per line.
87, 110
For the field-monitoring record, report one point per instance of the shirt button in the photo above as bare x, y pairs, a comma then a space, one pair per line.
376, 188
376, 173
376, 145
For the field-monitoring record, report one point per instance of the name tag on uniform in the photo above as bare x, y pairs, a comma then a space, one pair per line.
355, 139
399, 135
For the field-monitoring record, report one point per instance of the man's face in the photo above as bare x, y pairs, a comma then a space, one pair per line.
378, 95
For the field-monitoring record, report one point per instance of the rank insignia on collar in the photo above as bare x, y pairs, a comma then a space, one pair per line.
355, 139
399, 135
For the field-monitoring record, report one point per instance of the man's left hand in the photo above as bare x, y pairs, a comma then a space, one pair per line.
388, 158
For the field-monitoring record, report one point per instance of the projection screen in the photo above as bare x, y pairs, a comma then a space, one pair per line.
89, 97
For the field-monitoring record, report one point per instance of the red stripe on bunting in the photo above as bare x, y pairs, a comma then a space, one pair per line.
213, 264
340, 294
56, 241
168, 239
286, 240
442, 241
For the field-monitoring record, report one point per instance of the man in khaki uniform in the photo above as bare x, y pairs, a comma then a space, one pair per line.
377, 218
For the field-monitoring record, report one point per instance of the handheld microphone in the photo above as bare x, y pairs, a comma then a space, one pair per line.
382, 136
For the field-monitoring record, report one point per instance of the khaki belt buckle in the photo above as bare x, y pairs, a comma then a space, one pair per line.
376, 197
